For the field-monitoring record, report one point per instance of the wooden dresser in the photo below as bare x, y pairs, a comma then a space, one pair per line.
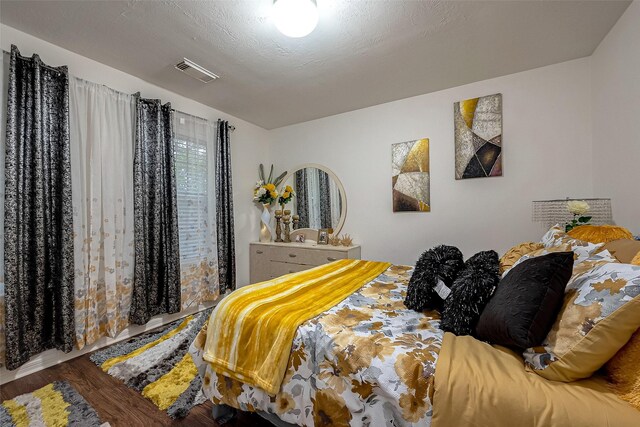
271, 260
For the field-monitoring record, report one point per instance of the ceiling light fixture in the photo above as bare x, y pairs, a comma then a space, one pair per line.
295, 18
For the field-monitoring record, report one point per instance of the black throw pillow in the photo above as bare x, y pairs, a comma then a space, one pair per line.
527, 302
470, 292
440, 263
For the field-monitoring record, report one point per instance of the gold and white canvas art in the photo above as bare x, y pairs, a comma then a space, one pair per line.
411, 179
478, 137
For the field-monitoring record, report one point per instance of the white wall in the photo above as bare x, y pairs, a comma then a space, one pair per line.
547, 154
616, 118
249, 142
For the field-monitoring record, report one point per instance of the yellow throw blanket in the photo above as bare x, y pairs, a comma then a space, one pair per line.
251, 331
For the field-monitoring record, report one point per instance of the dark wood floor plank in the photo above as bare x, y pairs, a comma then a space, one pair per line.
116, 403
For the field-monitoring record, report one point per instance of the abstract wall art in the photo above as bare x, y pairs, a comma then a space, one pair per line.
410, 166
478, 137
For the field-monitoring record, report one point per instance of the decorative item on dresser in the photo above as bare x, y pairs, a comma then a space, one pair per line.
287, 231
346, 240
323, 236
334, 240
271, 260
265, 192
278, 216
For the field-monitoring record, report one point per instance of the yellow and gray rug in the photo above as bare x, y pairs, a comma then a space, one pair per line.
158, 365
54, 405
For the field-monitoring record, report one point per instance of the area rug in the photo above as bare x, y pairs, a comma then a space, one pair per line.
54, 405
158, 365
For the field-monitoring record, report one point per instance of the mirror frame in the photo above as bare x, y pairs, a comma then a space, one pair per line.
312, 233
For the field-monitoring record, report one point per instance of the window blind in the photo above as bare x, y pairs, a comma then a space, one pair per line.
192, 193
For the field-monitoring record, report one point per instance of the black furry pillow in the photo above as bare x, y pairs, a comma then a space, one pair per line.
470, 293
441, 263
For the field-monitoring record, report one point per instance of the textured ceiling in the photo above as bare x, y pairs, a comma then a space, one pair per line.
362, 53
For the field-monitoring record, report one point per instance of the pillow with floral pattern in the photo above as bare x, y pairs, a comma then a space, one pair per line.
538, 253
601, 257
600, 313
556, 237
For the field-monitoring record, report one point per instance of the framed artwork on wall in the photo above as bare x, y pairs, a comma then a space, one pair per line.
410, 176
478, 137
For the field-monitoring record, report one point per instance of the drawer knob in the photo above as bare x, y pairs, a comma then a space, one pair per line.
330, 258
292, 255
258, 252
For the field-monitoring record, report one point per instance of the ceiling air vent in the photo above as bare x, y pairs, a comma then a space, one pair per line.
195, 70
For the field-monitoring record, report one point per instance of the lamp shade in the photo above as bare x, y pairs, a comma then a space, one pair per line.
552, 212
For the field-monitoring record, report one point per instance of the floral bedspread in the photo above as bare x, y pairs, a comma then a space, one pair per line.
367, 361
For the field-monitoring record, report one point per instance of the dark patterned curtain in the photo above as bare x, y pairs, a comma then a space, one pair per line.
224, 210
156, 286
38, 215
302, 200
325, 199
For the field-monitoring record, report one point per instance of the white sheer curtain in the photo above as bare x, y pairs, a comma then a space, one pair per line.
313, 195
101, 131
336, 202
194, 140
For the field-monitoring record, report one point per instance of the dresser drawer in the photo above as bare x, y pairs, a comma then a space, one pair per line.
278, 268
272, 260
260, 263
261, 251
306, 256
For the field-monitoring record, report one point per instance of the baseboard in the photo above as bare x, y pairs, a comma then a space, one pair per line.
50, 358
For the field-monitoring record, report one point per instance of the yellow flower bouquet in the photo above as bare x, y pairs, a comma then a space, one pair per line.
286, 195
265, 191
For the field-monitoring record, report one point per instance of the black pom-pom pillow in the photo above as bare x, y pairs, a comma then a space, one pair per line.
441, 263
470, 292
527, 302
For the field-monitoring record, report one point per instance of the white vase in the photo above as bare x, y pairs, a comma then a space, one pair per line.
265, 224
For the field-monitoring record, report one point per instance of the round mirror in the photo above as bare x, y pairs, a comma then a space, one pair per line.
320, 200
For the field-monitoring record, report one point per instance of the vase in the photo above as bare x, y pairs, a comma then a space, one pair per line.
265, 224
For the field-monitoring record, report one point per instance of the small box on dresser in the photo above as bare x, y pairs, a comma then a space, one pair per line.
271, 260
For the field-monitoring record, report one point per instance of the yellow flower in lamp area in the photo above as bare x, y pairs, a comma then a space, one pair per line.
270, 187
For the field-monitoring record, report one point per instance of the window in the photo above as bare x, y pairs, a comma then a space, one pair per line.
194, 142
193, 187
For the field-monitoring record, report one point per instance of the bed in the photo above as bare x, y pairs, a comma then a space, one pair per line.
370, 361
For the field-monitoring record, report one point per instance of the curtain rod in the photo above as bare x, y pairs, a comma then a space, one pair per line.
231, 127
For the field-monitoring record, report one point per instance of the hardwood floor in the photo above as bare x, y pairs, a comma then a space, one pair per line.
114, 401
